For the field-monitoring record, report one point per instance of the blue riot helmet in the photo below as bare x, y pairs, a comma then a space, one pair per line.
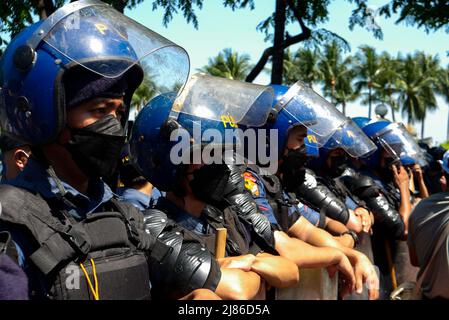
350, 138
300, 104
361, 121
150, 144
445, 162
282, 121
395, 140
86, 34
209, 102
206, 114
219, 114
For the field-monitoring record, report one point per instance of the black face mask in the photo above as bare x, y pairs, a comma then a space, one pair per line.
293, 168
96, 148
210, 182
338, 166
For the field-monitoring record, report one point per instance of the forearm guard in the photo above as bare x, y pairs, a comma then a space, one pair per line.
385, 215
187, 266
321, 199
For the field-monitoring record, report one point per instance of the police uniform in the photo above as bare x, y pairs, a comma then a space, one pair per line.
238, 242
87, 246
255, 183
139, 199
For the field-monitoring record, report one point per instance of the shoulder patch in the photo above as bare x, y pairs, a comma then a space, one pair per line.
251, 184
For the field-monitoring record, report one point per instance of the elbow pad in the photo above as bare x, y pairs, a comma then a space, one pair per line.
186, 266
247, 210
237, 196
321, 199
385, 215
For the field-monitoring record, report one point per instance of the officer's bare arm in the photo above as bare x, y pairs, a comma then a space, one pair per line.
277, 271
364, 270
236, 284
201, 294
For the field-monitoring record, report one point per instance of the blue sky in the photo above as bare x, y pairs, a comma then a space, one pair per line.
220, 28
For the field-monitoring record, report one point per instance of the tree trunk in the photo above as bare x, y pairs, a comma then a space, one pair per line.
279, 32
422, 128
333, 92
119, 5
447, 130
45, 8
369, 101
344, 107
393, 115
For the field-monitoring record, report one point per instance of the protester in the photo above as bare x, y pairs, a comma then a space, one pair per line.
428, 244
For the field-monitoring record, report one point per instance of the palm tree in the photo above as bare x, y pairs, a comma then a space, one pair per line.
337, 75
344, 90
303, 65
429, 65
367, 68
415, 86
228, 64
143, 94
442, 88
386, 79
145, 91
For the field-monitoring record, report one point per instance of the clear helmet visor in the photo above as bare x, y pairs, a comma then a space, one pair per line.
352, 139
397, 141
307, 107
229, 101
96, 36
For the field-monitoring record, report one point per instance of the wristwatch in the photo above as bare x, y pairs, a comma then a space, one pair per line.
354, 236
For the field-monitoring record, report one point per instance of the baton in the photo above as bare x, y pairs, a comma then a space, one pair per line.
220, 243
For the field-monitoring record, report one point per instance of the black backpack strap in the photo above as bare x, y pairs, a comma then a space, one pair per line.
139, 234
57, 238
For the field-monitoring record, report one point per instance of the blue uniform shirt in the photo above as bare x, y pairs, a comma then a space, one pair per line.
198, 225
35, 178
253, 182
139, 199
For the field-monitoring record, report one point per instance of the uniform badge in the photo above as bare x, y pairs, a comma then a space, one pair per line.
251, 184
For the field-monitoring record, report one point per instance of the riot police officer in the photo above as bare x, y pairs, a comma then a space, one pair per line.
193, 189
299, 110
385, 167
66, 89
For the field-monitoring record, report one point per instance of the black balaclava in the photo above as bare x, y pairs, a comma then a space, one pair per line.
338, 165
210, 182
293, 168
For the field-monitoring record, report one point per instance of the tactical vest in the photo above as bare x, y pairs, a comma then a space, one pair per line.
105, 244
280, 202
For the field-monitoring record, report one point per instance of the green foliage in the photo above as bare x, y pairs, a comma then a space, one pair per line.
430, 15
172, 6
228, 64
16, 15
337, 75
445, 145
415, 86
303, 65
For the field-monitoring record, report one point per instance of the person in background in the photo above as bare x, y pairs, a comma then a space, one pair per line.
136, 189
15, 155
